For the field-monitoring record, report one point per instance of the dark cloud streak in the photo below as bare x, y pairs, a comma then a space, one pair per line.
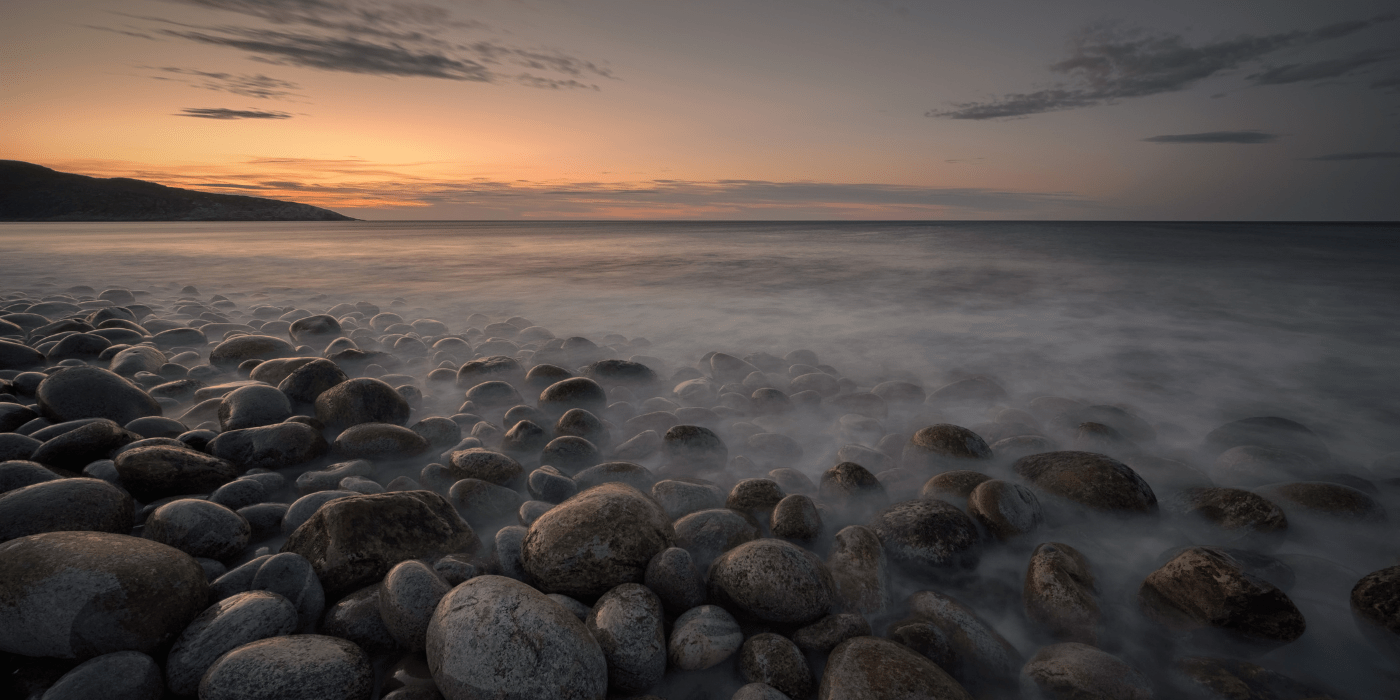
1358, 155
224, 113
1216, 137
257, 86
1322, 70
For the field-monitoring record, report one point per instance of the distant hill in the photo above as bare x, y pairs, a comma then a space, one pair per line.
31, 192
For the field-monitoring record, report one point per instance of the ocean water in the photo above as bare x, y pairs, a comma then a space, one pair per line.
1192, 324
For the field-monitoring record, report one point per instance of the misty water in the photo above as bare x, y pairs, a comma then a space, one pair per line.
1186, 325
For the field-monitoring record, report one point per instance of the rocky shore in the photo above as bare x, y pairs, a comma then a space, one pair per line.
243, 495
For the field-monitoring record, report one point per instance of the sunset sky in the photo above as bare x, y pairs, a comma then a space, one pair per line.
719, 109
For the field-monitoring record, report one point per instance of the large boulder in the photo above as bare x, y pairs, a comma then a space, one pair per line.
930, 537
64, 505
595, 541
772, 581
271, 446
1207, 592
1092, 480
152, 473
495, 637
363, 400
82, 594
89, 392
354, 541
869, 668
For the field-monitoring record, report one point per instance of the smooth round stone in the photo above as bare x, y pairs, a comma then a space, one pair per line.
157, 427
17, 474
1207, 592
93, 440
356, 618
707, 534
548, 485
253, 406
199, 528
958, 484
570, 454
378, 441
853, 488
931, 537
265, 519
438, 431
694, 448
82, 594
956, 638
1095, 481
1074, 670
62, 505
672, 575
236, 350
703, 637
595, 541
774, 660
270, 447
121, 675
494, 394
303, 508
239, 493
152, 473
772, 581
627, 623
226, 625
525, 438
483, 503
363, 400
756, 497
79, 346
297, 667
869, 668
758, 691
407, 598
823, 635
530, 511
19, 356
1236, 511
681, 498
1008, 510
16, 447
315, 330
945, 446
796, 518
1061, 594
634, 475
1325, 500
306, 383
486, 465
1375, 605
130, 361
575, 392
180, 337
495, 637
329, 478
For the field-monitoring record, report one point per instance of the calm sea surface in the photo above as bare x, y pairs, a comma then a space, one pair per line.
1192, 323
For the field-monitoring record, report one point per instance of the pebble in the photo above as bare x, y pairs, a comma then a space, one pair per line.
483, 503
253, 406
226, 625
303, 666
304, 384
702, 638
486, 465
488, 636
694, 448
236, 350
757, 497
570, 455
550, 486
17, 474
796, 518
634, 475
382, 441
90, 441
301, 510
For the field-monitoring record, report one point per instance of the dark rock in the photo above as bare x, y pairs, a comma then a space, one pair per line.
595, 541
1375, 604
316, 331
18, 356
1267, 431
264, 519
356, 618
157, 427
772, 581
542, 376
525, 438
825, 634
706, 534
702, 638
483, 503
239, 349
859, 571
363, 400
796, 518
570, 455
929, 537
407, 597
133, 360
1230, 679
627, 623
580, 423
943, 447
854, 490
354, 541
1006, 509
62, 505
306, 383
226, 625
270, 447
177, 337
74, 449
152, 473
1242, 514
17, 474
1092, 480
672, 575
199, 529
89, 392
13, 415
287, 575
489, 634
494, 395
1326, 500
1074, 671
550, 486
252, 407
694, 448
681, 498
486, 465
634, 475
774, 660
16, 447
958, 484
382, 441
1061, 595
792, 481
757, 497
120, 675
78, 346
1207, 592
870, 668
119, 593
956, 638
309, 666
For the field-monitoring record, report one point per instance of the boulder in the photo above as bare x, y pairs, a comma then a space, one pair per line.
773, 660
233, 352
64, 505
943, 447
407, 598
870, 668
956, 638
929, 537
270, 447
595, 541
160, 471
1206, 592
120, 675
379, 441
302, 666
89, 392
1081, 672
702, 638
199, 529
363, 400
859, 571
1061, 595
230, 623
1092, 480
772, 581
1375, 604
628, 624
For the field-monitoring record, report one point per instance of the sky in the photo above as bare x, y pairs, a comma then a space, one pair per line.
761, 109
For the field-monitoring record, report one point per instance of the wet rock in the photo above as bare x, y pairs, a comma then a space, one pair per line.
310, 666
72, 450
1248, 466
1230, 679
152, 473
681, 498
118, 593
483, 503
1206, 592
859, 570
226, 625
270, 447
694, 448
702, 638
627, 623
438, 431
488, 636
329, 479
634, 475
407, 598
199, 529
1267, 431
62, 505
1375, 604
672, 575
1006, 509
958, 484
853, 489
16, 447
17, 474
870, 668
825, 634
18, 356
132, 360
252, 407
956, 638
570, 455
772, 581
757, 497
78, 346
1242, 514
494, 395
383, 441
943, 447
595, 541
88, 392
706, 534
156, 426
1074, 671
928, 537
580, 423
524, 439
774, 660
796, 518
486, 465
576, 392
1095, 481
121, 675
354, 541
1326, 500
264, 519
306, 383
236, 350
1061, 595
550, 486
356, 618
363, 400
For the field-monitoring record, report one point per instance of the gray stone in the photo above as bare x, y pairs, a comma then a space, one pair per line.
929, 537
570, 455
1081, 672
639, 446
83, 594
72, 450
381, 441
1209, 594
486, 465
943, 447
634, 475
756, 497
823, 635
796, 518
253, 406
16, 447
1061, 595
407, 598
702, 638
239, 493
199, 529
859, 570
137, 359
62, 505
121, 675
17, 474
157, 427
297, 667
303, 508
356, 618
265, 519
1375, 605
672, 575
230, 353
956, 638
772, 581
694, 448
627, 623
870, 668
152, 473
550, 486
1006, 509
495, 637
1095, 481
270, 447
681, 498
306, 383
575, 392
329, 479
363, 400
774, 660
707, 534
595, 541
483, 503
226, 625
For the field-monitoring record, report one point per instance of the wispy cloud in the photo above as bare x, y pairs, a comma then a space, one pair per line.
1323, 70
223, 113
1359, 155
257, 86
1110, 62
1216, 137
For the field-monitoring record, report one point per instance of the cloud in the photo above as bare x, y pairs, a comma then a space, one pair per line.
394, 20
1359, 155
258, 86
1109, 62
344, 54
1322, 70
222, 113
1390, 83
1216, 137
